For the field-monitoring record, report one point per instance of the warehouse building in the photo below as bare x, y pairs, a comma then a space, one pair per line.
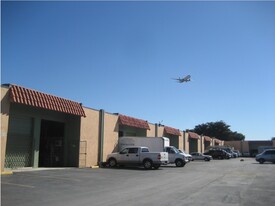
250, 147
38, 130
42, 130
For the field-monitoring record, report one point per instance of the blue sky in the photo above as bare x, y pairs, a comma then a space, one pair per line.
122, 56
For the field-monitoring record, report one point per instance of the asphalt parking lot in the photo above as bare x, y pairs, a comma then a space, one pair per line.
219, 182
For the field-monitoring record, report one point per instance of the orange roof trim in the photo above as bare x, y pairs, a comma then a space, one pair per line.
217, 140
34, 98
173, 131
193, 135
133, 122
208, 139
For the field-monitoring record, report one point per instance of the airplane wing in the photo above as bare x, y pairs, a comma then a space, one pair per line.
179, 80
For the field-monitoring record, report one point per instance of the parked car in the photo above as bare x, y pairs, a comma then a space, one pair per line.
233, 154
200, 156
237, 152
266, 156
188, 156
137, 156
230, 151
218, 154
246, 154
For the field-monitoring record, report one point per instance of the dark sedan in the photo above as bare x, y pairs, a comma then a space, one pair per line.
218, 154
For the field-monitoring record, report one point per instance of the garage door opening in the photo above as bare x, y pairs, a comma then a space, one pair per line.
193, 145
51, 150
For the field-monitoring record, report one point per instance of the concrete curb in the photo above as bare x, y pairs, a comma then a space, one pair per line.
95, 167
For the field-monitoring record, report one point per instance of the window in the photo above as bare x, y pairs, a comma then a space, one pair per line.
270, 152
145, 150
133, 150
125, 151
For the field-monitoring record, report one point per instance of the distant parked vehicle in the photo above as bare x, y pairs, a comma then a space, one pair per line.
200, 156
234, 154
237, 152
246, 154
266, 156
218, 154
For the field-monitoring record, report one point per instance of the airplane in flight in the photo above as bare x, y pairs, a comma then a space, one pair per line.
184, 79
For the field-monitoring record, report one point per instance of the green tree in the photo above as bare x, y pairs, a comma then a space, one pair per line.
219, 130
236, 136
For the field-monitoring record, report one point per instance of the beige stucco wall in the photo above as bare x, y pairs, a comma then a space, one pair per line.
186, 142
235, 144
89, 133
181, 141
5, 106
160, 131
152, 131
199, 144
242, 146
111, 128
202, 144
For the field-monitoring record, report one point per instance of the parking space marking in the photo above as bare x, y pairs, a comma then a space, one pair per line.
260, 189
19, 185
52, 177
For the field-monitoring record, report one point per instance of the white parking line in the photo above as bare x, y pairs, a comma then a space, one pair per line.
52, 177
19, 185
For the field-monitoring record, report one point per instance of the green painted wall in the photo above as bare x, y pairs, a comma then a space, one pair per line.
132, 131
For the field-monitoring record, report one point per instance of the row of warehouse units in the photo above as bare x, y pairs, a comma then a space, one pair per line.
42, 130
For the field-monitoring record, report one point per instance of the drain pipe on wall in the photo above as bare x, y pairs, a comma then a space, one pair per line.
201, 142
183, 132
101, 136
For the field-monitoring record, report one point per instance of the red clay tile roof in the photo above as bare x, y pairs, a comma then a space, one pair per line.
193, 135
33, 98
208, 139
133, 122
170, 130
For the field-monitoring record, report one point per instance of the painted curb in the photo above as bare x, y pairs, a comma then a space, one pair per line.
95, 167
7, 173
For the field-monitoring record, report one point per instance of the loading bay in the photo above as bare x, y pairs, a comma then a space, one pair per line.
218, 182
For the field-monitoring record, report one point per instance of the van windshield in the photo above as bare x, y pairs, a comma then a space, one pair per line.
176, 150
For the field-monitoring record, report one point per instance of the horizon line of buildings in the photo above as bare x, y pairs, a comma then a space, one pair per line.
43, 130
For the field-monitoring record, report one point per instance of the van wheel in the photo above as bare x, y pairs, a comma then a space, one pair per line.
112, 162
261, 161
179, 163
147, 164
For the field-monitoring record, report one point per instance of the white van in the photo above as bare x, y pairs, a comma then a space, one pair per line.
266, 156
